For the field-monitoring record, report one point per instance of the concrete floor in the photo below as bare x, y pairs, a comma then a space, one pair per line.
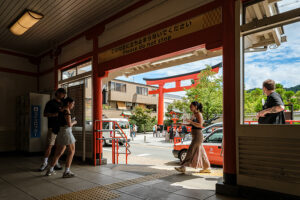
19, 179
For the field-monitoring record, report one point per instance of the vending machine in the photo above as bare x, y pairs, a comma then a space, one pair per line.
31, 124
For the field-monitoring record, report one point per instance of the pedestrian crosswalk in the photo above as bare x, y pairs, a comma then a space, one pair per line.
143, 154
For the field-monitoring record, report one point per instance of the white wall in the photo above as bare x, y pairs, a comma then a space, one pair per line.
147, 16
11, 86
46, 82
77, 48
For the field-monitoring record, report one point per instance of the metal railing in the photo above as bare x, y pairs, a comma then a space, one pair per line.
98, 138
286, 122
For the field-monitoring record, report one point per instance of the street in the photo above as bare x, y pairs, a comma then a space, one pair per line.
148, 151
155, 152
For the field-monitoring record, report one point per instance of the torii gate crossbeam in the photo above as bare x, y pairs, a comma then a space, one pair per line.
177, 79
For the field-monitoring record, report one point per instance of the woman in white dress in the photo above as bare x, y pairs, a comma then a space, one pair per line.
65, 138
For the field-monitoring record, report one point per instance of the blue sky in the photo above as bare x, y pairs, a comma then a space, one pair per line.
281, 64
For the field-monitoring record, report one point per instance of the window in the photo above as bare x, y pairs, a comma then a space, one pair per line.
216, 137
142, 90
270, 51
210, 129
121, 105
69, 73
105, 125
76, 70
152, 107
85, 67
120, 87
123, 125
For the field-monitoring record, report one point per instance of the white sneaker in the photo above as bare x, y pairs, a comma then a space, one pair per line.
68, 174
58, 166
49, 172
43, 167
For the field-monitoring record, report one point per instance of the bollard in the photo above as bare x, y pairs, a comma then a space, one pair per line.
144, 138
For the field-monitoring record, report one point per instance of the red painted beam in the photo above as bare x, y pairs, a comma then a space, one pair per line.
170, 80
167, 90
207, 36
3, 51
20, 72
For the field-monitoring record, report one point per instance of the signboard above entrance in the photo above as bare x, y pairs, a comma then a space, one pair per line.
200, 22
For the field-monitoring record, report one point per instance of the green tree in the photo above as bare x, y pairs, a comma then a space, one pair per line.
298, 97
280, 91
142, 118
182, 105
208, 91
289, 95
253, 101
278, 85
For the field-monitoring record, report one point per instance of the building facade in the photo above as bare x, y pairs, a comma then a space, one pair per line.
124, 96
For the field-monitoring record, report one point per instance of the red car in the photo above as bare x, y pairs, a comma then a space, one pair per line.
212, 145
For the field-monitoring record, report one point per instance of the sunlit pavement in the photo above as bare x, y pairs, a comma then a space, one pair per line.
157, 153
145, 177
149, 174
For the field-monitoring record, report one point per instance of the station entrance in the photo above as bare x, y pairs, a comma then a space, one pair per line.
132, 38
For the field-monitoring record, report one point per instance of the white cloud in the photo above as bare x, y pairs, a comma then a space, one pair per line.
281, 64
286, 74
286, 5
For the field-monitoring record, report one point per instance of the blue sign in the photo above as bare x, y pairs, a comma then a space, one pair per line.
35, 121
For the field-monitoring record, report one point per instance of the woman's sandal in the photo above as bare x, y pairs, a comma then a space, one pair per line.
180, 169
205, 171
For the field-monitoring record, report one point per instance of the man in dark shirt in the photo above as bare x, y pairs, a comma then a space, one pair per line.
273, 109
51, 111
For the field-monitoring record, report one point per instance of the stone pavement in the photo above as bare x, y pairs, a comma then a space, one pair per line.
19, 179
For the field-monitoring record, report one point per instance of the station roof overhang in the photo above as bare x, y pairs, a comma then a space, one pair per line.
63, 22
252, 43
59, 27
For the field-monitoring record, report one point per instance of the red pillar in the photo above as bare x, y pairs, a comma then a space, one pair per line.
160, 119
97, 90
97, 94
229, 113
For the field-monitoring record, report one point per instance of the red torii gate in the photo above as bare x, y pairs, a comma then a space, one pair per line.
177, 79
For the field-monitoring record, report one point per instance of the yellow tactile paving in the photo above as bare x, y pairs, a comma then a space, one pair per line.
103, 192
214, 172
95, 193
